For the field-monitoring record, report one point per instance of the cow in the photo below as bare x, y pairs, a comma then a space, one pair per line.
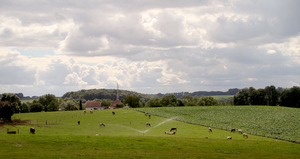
149, 116
229, 137
32, 130
91, 112
102, 124
146, 113
166, 132
240, 131
232, 130
173, 129
113, 113
245, 135
172, 133
78, 122
209, 129
84, 112
148, 124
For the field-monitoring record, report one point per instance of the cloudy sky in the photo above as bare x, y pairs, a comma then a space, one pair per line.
148, 46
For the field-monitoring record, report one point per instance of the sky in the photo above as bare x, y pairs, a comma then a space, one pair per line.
148, 46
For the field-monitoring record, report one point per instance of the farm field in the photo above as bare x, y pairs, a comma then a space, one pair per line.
125, 135
275, 122
218, 97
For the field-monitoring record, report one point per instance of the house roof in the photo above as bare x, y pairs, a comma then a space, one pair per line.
115, 102
93, 104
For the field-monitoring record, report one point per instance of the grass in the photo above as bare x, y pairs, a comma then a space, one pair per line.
126, 136
218, 97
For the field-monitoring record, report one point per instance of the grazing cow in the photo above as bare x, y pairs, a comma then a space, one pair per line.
146, 113
84, 111
173, 129
148, 124
166, 132
78, 122
102, 124
245, 135
91, 112
206, 137
32, 130
113, 113
172, 133
229, 137
240, 131
209, 129
232, 130
149, 116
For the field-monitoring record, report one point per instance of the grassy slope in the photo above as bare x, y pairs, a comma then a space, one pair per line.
126, 136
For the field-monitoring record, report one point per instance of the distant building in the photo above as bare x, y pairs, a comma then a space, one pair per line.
117, 101
93, 105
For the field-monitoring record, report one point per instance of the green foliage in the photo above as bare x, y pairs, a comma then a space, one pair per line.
69, 105
207, 101
45, 100
53, 106
290, 97
119, 105
9, 105
24, 108
36, 107
191, 103
169, 100
153, 103
179, 103
132, 101
107, 102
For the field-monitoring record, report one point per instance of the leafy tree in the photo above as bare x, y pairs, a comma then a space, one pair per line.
9, 105
80, 105
207, 101
53, 106
168, 100
290, 97
241, 97
36, 107
119, 105
69, 105
24, 108
191, 103
132, 101
45, 100
272, 95
107, 102
153, 103
179, 103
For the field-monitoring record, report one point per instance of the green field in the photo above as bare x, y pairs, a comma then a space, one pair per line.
222, 97
126, 136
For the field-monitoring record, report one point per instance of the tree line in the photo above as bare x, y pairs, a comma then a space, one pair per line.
270, 95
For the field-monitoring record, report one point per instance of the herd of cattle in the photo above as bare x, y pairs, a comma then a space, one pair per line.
171, 132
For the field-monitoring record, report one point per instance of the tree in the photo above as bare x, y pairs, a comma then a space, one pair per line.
272, 95
132, 101
119, 105
52, 106
9, 104
290, 97
179, 103
36, 107
69, 105
45, 100
80, 105
168, 100
241, 97
207, 101
24, 108
153, 103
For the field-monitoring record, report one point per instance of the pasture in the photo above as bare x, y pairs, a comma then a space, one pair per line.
125, 135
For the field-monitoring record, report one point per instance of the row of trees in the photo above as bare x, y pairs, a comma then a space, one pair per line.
271, 96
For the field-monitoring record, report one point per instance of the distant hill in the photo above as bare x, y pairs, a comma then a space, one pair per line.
111, 94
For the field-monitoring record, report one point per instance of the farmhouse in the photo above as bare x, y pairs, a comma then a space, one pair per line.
93, 105
113, 105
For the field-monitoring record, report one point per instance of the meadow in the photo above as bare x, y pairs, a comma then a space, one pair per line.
58, 135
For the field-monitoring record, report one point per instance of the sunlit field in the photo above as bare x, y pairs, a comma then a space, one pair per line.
125, 135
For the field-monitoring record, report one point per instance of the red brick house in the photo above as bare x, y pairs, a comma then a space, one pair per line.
93, 105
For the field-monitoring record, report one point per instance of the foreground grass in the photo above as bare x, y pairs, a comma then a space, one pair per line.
126, 136
82, 146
